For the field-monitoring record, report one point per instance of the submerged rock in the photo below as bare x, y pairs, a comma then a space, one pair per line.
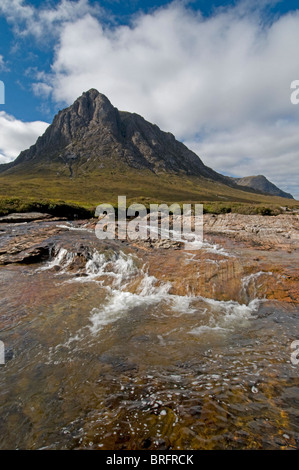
227, 268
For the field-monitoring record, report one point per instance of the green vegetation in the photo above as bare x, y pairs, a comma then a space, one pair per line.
64, 196
56, 208
245, 208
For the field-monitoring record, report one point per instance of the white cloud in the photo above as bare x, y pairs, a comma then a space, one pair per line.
45, 21
42, 89
183, 71
221, 83
271, 150
16, 136
3, 66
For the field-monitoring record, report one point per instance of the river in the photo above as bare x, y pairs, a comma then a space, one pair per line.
112, 351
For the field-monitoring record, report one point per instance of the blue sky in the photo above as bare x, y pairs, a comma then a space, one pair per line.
215, 73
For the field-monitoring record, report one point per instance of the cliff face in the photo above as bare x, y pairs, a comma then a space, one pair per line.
260, 183
92, 134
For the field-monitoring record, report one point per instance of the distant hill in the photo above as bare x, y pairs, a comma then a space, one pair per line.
260, 183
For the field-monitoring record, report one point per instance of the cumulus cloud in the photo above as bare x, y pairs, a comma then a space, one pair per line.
271, 150
220, 83
44, 21
181, 70
16, 135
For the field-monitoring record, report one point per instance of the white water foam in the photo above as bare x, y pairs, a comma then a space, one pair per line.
223, 316
78, 229
233, 309
200, 330
119, 303
251, 278
121, 270
63, 259
182, 304
118, 266
217, 249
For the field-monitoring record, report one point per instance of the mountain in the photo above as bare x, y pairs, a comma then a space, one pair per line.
93, 152
260, 183
91, 135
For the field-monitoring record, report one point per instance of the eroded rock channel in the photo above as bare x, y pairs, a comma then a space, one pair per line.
146, 345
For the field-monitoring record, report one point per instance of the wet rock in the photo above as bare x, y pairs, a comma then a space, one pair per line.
195, 410
266, 232
118, 364
232, 273
25, 217
29, 245
165, 244
32, 254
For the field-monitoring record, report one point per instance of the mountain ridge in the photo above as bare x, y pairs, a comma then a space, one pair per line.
261, 183
91, 136
91, 133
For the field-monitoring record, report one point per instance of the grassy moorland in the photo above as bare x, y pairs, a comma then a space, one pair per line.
64, 196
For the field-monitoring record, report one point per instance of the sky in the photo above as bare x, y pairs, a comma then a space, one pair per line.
217, 74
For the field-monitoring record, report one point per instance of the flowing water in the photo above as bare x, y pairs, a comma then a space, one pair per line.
103, 355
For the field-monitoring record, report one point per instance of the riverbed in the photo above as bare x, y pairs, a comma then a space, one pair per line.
114, 346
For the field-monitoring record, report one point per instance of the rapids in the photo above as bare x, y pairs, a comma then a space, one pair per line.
118, 349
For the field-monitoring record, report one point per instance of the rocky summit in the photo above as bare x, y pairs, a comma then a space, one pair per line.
92, 134
92, 152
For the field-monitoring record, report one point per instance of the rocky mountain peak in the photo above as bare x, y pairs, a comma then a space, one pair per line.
93, 106
92, 134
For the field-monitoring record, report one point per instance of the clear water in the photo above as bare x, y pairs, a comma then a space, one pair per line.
105, 357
